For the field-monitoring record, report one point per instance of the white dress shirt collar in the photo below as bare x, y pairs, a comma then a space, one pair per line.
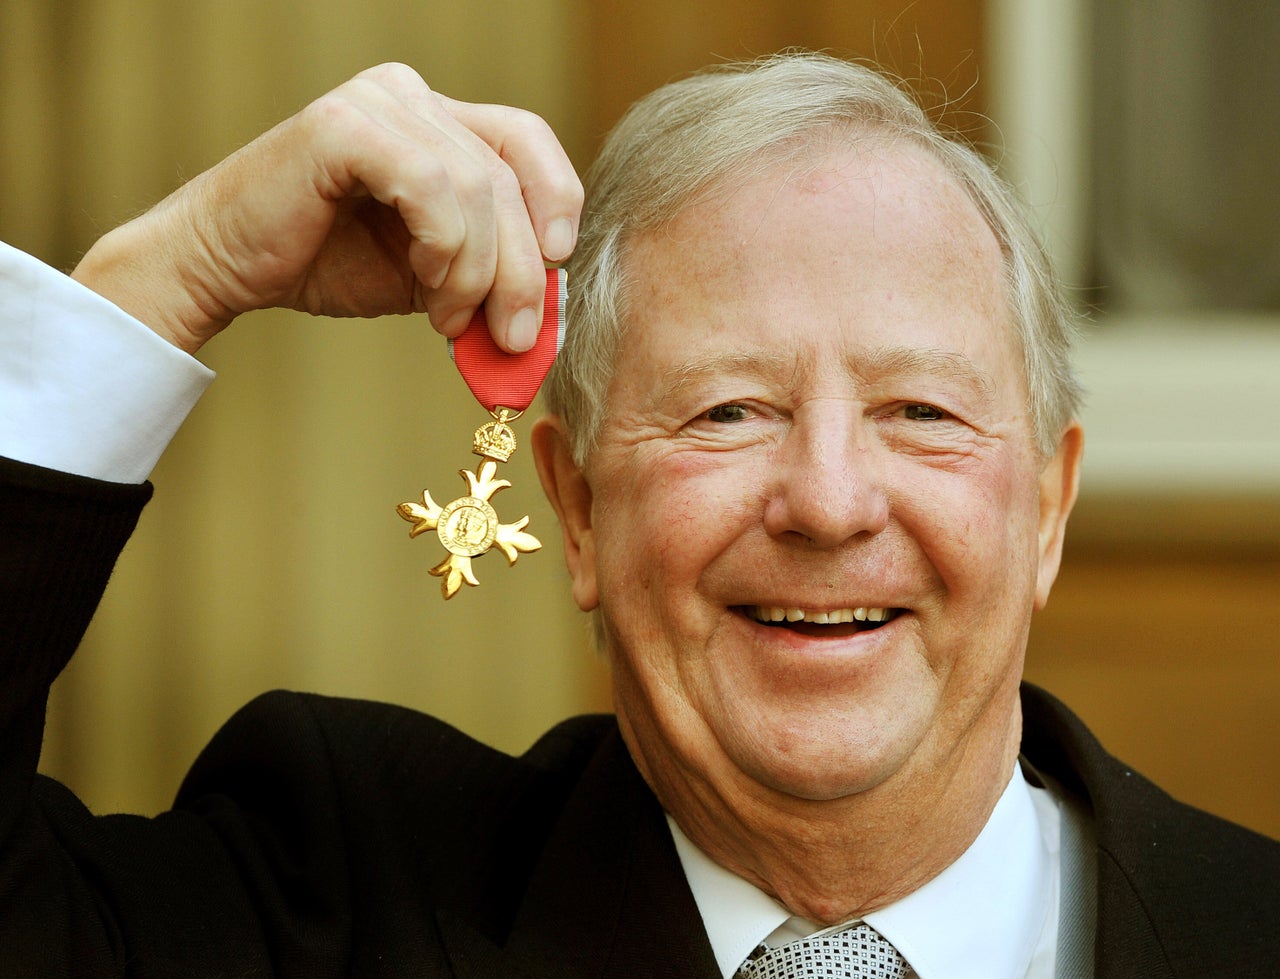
991, 914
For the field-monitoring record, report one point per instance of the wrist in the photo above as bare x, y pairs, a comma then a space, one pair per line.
140, 268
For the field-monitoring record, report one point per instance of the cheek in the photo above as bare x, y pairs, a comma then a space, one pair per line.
986, 561
679, 511
660, 528
980, 535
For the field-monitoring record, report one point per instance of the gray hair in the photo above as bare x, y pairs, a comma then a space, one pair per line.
686, 139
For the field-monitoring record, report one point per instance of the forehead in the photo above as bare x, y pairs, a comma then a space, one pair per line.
873, 242
874, 201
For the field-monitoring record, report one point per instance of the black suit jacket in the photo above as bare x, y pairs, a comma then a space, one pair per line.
318, 836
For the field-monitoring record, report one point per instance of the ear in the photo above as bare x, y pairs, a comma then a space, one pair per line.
567, 488
1059, 483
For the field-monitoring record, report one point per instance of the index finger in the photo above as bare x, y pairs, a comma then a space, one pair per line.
548, 182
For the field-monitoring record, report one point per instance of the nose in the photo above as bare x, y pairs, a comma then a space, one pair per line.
827, 484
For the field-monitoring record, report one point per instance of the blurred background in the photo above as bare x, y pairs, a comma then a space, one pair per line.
272, 556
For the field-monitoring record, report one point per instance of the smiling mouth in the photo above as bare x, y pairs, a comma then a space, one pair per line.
828, 622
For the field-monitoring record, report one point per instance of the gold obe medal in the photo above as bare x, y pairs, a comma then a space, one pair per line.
469, 525
505, 384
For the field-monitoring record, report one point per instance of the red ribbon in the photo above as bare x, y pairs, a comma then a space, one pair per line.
496, 377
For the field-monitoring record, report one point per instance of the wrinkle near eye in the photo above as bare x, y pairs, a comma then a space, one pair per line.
939, 442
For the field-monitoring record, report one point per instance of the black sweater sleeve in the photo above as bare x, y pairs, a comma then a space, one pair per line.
59, 539
83, 895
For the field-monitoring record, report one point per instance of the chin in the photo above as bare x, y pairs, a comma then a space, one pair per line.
820, 765
825, 786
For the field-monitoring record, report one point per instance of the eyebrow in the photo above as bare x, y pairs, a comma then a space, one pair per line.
728, 364
870, 365
883, 362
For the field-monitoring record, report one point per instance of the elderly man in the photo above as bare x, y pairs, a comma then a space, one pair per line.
812, 448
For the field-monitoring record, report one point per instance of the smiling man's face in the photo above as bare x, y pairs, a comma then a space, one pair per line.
814, 522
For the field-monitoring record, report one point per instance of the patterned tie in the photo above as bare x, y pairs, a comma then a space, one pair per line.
857, 952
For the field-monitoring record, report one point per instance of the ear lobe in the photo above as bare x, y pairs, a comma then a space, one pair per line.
569, 492
1059, 483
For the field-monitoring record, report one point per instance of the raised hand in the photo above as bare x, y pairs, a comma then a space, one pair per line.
382, 196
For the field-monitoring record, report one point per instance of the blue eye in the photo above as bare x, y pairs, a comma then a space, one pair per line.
727, 413
924, 413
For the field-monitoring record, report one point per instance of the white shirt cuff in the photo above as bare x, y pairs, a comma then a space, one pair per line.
84, 387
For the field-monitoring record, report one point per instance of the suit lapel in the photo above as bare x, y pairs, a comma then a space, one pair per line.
607, 896
1126, 941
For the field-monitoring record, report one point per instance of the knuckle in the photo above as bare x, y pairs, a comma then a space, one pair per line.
337, 113
503, 180
427, 171
523, 284
571, 191
563, 186
446, 236
526, 123
394, 75
474, 189
471, 280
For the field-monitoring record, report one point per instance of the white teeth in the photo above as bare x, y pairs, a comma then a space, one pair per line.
773, 613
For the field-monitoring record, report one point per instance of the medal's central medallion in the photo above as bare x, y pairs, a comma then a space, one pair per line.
467, 527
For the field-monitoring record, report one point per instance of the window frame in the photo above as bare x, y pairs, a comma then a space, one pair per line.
1176, 404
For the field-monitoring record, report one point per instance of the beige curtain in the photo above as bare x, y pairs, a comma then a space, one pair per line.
272, 555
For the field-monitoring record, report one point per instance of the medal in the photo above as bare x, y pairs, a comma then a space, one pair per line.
504, 384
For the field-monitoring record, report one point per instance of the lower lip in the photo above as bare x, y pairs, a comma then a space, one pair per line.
837, 663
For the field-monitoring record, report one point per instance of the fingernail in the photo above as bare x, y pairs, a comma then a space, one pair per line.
523, 330
558, 241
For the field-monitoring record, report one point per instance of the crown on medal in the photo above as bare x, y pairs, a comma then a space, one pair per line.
494, 440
